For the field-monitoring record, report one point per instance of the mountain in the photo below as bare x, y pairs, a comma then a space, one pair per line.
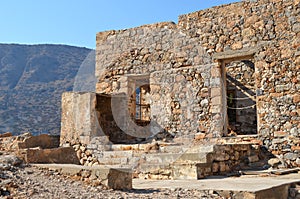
32, 79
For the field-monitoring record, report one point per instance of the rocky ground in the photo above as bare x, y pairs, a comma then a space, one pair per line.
18, 180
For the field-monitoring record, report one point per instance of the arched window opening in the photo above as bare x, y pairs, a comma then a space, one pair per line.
142, 105
139, 102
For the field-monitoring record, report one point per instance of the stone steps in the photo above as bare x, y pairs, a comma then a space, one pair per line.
115, 154
169, 158
161, 147
161, 158
194, 158
173, 149
131, 154
114, 157
174, 166
175, 161
113, 161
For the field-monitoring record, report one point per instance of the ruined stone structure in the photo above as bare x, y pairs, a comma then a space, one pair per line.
227, 70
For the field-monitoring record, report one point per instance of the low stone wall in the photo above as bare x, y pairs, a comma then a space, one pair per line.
44, 141
231, 158
109, 178
61, 155
234, 157
27, 140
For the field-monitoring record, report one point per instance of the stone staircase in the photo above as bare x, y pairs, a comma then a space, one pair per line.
176, 161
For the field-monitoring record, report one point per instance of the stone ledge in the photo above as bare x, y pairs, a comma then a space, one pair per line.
112, 178
44, 141
231, 54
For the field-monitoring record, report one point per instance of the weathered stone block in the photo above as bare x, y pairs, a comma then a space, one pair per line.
44, 141
199, 136
219, 156
184, 171
63, 155
296, 27
296, 98
119, 179
112, 178
215, 167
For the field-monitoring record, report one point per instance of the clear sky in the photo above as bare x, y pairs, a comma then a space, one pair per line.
76, 22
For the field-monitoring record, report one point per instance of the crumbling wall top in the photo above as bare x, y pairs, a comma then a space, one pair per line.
102, 36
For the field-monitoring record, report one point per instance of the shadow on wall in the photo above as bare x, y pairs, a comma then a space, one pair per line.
241, 97
115, 121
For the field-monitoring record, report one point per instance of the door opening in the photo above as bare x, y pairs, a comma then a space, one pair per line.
241, 116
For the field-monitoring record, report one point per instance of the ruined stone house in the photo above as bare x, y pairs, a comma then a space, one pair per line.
229, 70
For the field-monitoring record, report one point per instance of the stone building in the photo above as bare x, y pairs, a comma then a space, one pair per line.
229, 70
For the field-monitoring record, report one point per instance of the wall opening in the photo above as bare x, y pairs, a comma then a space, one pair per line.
142, 105
240, 92
106, 118
139, 102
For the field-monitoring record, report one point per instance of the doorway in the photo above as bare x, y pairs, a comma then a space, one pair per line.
240, 92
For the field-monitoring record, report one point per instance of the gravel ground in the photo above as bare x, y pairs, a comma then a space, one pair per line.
31, 182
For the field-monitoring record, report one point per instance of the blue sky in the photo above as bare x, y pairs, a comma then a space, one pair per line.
76, 22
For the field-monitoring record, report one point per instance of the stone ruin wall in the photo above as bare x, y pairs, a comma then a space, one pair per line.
178, 70
273, 27
193, 51
78, 118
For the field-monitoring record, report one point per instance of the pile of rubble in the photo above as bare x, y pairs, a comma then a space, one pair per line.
85, 156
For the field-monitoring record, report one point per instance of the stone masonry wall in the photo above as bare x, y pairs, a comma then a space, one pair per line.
144, 50
273, 28
180, 100
159, 50
268, 30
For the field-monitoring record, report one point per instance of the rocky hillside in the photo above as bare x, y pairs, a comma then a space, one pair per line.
32, 79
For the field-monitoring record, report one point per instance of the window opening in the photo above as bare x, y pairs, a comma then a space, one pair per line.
142, 105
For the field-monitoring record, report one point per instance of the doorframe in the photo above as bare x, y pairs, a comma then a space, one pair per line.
222, 58
223, 63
